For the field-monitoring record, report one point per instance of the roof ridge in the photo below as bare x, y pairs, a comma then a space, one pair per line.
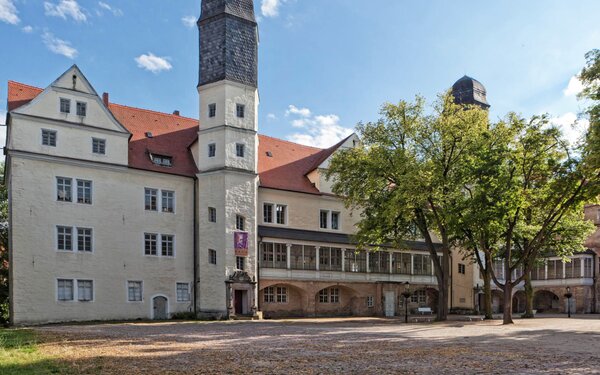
152, 111
293, 143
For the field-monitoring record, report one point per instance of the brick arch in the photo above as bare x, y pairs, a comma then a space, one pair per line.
546, 301
295, 305
348, 298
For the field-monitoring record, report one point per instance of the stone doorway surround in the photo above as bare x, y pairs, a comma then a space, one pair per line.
243, 286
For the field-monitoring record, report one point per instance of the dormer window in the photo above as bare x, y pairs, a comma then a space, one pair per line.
81, 109
65, 105
162, 160
240, 110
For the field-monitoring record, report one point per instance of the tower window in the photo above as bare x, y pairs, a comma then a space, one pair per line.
239, 150
212, 150
212, 256
81, 109
240, 263
240, 222
240, 109
65, 105
212, 110
212, 214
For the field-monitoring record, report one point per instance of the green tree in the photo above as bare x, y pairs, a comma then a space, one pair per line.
406, 176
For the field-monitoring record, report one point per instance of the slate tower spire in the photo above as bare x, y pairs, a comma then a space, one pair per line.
226, 154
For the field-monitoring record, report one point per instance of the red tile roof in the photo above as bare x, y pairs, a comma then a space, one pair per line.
285, 169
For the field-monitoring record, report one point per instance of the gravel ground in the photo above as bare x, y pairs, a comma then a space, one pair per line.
324, 346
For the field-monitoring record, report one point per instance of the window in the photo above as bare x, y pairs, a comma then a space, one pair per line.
323, 296
162, 160
420, 296
212, 214
267, 213
168, 201
63, 189
461, 268
98, 146
239, 150
239, 110
212, 110
269, 294
65, 105
134, 291
323, 219
240, 263
370, 301
81, 108
282, 296
212, 256
421, 264
335, 220
85, 290
65, 290
183, 292
84, 239
150, 198
48, 137
212, 150
167, 245
150, 240
84, 191
65, 238
587, 267
281, 212
240, 222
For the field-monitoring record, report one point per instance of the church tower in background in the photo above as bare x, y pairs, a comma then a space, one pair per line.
226, 153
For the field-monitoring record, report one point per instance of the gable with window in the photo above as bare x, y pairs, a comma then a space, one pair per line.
65, 105
99, 146
81, 109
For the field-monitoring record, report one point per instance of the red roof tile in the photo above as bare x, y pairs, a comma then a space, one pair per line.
285, 169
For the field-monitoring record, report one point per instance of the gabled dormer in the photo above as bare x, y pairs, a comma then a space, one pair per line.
321, 163
68, 119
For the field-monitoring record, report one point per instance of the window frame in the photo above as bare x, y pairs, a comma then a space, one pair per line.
171, 199
98, 146
92, 293
212, 110
165, 240
58, 294
212, 150
370, 302
283, 216
281, 294
67, 103
271, 213
323, 225
79, 105
240, 110
128, 286
62, 186
239, 259
212, 215
91, 239
148, 193
212, 256
240, 150
269, 295
49, 133
338, 215
150, 238
84, 188
188, 292
240, 223
58, 238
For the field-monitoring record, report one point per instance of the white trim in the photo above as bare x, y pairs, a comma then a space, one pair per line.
127, 290
152, 305
189, 291
174, 201
77, 240
75, 281
144, 199
56, 239
56, 288
93, 290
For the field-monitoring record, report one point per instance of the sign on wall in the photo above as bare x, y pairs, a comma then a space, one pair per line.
240, 239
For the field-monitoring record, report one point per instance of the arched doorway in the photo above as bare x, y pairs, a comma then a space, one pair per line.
546, 301
519, 302
160, 308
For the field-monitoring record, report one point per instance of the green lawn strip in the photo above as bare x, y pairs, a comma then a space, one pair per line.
19, 355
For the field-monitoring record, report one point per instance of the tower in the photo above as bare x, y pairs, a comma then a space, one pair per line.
227, 158
468, 90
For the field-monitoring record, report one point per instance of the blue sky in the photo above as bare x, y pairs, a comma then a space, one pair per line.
324, 64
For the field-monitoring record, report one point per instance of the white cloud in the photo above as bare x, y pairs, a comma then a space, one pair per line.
64, 9
270, 8
271, 116
302, 112
115, 11
189, 21
8, 12
318, 131
59, 46
153, 63
27, 29
572, 127
574, 87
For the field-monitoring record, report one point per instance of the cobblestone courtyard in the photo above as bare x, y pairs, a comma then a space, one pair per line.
357, 346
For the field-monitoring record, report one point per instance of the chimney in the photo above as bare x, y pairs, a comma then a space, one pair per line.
105, 99
176, 112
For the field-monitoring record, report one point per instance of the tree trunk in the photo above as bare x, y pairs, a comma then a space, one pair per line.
487, 294
528, 298
442, 307
507, 316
